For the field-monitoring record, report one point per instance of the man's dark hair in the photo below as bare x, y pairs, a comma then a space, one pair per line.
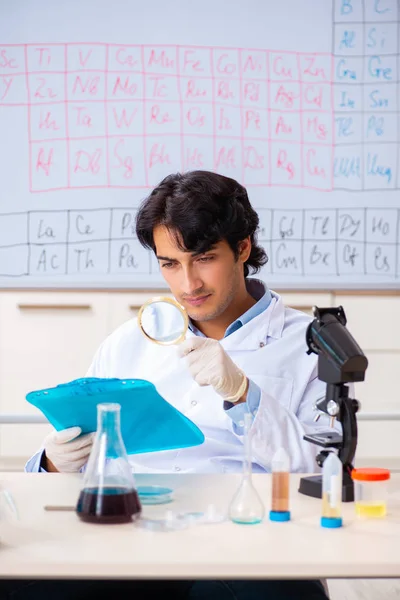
200, 209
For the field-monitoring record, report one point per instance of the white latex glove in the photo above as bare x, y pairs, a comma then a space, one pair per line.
67, 453
209, 364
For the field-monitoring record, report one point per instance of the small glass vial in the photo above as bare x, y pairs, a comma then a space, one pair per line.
370, 492
332, 476
280, 487
108, 494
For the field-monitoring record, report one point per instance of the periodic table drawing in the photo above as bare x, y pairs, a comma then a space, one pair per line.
312, 134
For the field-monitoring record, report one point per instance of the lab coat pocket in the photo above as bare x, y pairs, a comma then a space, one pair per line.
280, 388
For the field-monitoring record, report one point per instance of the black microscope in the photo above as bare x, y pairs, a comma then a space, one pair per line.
340, 361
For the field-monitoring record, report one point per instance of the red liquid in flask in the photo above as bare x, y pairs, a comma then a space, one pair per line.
109, 505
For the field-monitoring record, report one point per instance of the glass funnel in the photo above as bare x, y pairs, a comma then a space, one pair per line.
109, 494
246, 507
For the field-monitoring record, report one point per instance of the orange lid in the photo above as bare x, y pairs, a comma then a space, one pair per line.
370, 474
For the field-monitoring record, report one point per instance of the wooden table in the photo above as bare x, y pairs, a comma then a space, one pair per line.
46, 544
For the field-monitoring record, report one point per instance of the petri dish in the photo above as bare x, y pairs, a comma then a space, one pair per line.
155, 494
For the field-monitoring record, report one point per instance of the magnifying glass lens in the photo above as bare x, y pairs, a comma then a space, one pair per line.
163, 321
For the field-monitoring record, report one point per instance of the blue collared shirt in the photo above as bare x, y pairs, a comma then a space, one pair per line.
261, 293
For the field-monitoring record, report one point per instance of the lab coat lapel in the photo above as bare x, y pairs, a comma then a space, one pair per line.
254, 334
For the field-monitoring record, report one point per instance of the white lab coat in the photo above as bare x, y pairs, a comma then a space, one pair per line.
271, 350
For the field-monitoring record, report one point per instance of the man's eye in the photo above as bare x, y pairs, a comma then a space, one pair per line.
167, 265
206, 259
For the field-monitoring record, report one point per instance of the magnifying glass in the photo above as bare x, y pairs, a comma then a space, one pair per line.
163, 321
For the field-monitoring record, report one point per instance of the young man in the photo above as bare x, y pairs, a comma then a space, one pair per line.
245, 352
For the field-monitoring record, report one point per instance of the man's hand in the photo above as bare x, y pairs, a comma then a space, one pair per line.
209, 364
66, 452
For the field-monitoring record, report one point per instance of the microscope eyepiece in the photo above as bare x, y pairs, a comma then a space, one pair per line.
341, 358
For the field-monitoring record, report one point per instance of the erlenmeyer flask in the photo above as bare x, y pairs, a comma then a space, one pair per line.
108, 494
246, 507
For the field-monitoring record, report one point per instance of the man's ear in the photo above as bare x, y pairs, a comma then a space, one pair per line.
244, 249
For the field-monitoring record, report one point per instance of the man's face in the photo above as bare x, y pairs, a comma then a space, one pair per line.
204, 284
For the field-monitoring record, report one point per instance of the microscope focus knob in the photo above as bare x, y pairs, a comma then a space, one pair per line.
332, 408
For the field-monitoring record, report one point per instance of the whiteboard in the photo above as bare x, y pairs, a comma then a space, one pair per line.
298, 101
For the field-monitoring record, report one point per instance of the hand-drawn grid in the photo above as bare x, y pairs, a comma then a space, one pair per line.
124, 116
366, 47
329, 242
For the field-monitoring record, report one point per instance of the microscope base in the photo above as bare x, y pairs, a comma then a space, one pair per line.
312, 486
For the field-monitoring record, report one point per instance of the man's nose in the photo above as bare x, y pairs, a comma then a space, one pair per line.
191, 282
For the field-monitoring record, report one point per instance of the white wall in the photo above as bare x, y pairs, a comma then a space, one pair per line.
50, 337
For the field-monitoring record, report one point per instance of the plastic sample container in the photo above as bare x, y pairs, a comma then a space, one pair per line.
370, 492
